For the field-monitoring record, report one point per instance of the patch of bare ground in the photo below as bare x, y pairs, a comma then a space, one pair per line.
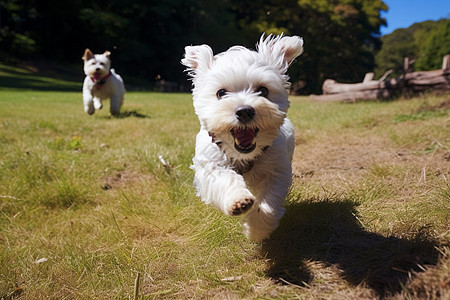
118, 179
349, 158
404, 260
338, 157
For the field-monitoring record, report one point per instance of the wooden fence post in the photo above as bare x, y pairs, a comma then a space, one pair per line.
446, 62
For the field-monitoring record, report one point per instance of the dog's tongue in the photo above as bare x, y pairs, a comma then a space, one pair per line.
97, 76
244, 136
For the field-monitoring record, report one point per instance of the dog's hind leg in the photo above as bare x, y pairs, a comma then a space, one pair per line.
261, 221
121, 96
265, 217
115, 105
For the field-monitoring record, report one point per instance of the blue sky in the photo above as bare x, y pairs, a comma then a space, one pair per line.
404, 13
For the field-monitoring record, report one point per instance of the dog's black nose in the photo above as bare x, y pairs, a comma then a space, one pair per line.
98, 69
245, 114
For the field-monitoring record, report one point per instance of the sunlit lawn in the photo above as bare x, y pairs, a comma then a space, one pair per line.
86, 204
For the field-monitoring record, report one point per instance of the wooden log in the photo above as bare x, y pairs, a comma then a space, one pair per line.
330, 86
427, 81
428, 77
433, 73
354, 96
408, 83
434, 77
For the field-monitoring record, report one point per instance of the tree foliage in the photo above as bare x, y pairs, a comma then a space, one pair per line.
438, 45
147, 38
426, 43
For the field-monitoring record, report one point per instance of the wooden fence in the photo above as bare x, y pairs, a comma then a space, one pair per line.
407, 84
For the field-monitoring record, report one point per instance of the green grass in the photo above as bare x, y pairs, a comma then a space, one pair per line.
367, 216
17, 78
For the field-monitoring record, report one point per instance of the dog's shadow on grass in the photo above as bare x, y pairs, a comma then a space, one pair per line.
132, 113
127, 114
329, 232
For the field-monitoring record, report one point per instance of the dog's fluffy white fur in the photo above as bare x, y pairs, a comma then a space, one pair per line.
244, 148
101, 83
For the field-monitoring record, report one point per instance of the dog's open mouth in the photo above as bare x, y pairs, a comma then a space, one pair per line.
97, 75
244, 139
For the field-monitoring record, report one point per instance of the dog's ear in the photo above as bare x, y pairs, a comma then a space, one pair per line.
198, 58
107, 53
292, 46
87, 55
285, 47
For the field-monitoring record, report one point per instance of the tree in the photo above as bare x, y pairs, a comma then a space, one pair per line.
147, 38
15, 39
438, 45
426, 43
395, 48
340, 35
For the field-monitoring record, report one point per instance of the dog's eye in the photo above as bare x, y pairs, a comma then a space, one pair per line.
263, 91
220, 93
102, 64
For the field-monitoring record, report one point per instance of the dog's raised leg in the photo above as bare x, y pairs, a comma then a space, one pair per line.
97, 103
88, 103
224, 189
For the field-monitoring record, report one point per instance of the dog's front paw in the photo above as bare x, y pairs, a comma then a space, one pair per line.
242, 205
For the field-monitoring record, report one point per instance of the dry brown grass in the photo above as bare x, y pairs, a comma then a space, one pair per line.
367, 216
382, 193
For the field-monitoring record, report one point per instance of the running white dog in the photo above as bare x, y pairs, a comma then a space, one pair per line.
244, 148
101, 83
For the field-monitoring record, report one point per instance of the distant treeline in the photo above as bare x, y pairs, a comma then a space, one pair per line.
147, 38
424, 43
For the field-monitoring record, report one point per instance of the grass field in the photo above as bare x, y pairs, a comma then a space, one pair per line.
87, 209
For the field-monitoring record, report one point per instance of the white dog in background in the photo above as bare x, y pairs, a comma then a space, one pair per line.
244, 148
101, 83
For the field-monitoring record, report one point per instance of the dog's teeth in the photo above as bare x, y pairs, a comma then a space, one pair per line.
254, 140
237, 142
